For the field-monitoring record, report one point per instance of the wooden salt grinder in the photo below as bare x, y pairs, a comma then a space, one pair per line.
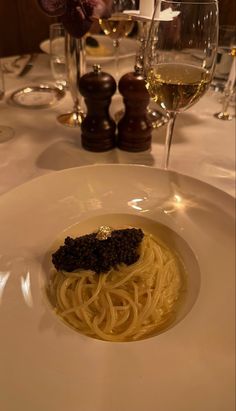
98, 128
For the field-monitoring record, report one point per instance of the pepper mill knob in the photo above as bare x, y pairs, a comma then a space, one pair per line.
98, 128
134, 128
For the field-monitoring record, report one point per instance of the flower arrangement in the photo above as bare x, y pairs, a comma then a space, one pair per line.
77, 16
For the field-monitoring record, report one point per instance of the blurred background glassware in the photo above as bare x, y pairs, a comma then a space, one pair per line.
175, 78
228, 94
6, 132
57, 54
75, 66
224, 70
118, 26
226, 45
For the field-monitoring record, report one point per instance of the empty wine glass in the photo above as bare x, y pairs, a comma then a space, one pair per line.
119, 25
180, 56
75, 62
6, 132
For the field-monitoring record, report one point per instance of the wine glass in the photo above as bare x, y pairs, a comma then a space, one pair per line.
119, 25
57, 53
227, 57
75, 64
180, 56
6, 132
228, 93
226, 43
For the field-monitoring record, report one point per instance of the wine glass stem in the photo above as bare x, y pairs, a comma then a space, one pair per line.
75, 66
76, 107
169, 135
116, 45
226, 100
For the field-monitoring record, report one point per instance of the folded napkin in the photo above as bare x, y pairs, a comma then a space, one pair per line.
15, 64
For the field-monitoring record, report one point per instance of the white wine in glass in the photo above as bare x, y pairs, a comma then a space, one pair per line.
119, 25
177, 86
176, 79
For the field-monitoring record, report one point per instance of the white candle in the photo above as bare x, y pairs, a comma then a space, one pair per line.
232, 75
146, 8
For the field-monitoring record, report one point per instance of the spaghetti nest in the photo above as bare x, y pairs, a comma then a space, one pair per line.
126, 304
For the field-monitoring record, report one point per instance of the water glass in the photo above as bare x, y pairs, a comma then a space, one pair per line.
2, 88
6, 132
57, 54
226, 51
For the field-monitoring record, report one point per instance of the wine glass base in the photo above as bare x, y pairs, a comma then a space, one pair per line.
71, 119
223, 116
6, 133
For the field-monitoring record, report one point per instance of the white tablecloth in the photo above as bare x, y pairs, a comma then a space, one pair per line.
203, 147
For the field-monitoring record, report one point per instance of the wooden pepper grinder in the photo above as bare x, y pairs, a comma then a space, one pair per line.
98, 128
134, 129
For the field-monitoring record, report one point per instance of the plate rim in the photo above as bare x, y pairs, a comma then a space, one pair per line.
90, 58
38, 88
108, 165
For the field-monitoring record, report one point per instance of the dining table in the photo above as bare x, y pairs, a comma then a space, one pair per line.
49, 184
203, 147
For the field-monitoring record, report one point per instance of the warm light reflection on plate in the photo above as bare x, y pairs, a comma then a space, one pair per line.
175, 202
4, 276
26, 289
136, 204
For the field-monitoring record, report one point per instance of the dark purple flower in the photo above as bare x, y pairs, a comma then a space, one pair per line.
77, 15
53, 7
75, 20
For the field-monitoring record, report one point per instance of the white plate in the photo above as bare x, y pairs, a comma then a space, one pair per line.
59, 45
127, 48
47, 366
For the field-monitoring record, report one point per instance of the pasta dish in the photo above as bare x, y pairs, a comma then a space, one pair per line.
128, 302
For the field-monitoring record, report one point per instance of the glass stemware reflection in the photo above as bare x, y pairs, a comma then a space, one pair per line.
176, 79
75, 63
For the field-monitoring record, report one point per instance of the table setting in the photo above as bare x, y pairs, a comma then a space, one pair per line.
104, 135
